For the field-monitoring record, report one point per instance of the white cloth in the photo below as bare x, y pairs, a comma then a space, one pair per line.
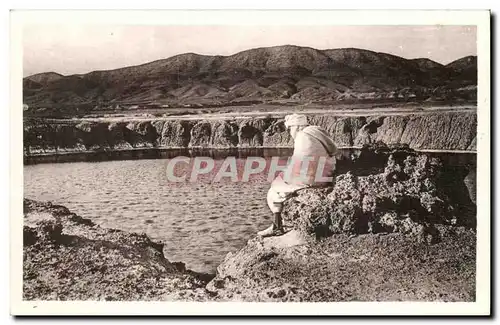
308, 146
312, 144
279, 192
295, 120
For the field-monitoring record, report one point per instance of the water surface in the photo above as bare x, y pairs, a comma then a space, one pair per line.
199, 222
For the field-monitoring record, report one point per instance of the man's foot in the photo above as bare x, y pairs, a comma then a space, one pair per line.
271, 231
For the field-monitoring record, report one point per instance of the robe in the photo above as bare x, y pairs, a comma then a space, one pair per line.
312, 161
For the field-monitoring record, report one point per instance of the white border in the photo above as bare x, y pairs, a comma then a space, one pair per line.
257, 17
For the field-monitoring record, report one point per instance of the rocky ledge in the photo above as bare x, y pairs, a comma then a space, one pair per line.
401, 230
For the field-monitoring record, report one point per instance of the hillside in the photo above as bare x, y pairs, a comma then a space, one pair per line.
44, 78
281, 73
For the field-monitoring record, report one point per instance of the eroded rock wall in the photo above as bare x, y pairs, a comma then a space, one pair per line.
439, 131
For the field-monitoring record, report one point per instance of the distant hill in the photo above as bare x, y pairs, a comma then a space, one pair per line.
286, 73
466, 63
45, 77
465, 69
427, 64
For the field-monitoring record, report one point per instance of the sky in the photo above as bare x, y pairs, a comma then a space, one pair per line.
73, 49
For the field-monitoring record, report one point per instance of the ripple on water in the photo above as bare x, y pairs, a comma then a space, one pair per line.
129, 195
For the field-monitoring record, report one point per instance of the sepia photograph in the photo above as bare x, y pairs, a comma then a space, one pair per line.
241, 157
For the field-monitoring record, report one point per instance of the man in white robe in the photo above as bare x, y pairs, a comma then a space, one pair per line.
312, 162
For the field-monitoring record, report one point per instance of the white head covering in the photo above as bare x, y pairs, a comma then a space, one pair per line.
295, 120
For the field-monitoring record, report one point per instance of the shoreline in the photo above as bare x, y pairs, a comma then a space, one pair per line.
170, 152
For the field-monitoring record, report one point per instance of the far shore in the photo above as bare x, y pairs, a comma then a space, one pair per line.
170, 152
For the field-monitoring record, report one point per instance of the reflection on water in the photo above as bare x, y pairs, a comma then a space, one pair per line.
198, 222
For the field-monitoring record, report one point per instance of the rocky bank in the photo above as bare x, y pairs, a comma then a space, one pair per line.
403, 229
67, 257
436, 130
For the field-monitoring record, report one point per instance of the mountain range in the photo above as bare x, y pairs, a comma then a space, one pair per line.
281, 73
